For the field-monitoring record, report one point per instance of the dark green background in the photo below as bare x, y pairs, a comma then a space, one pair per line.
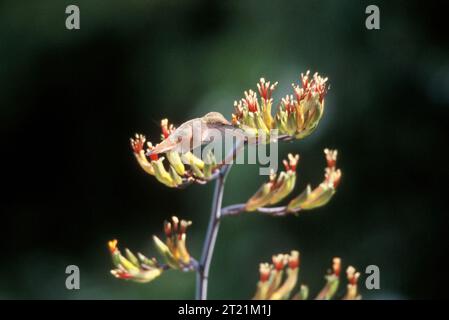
70, 100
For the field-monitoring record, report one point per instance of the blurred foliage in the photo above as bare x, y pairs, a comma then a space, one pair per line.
70, 100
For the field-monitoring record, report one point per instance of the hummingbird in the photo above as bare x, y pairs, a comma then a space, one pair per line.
196, 131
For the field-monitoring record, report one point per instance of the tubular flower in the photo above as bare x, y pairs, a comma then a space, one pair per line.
298, 115
265, 91
281, 185
182, 169
311, 199
332, 281
250, 101
278, 280
277, 188
174, 249
142, 269
137, 144
309, 103
131, 268
352, 290
167, 129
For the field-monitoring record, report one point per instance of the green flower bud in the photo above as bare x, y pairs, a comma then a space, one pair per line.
164, 251
161, 173
175, 160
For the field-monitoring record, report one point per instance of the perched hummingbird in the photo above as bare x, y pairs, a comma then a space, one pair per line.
195, 131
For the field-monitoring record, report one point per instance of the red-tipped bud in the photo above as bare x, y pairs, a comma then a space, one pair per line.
311, 87
121, 274
175, 221
337, 178
336, 266
250, 101
279, 262
167, 229
286, 165
150, 148
183, 226
292, 162
289, 104
265, 90
331, 157
305, 79
293, 260
264, 271
112, 245
165, 128
352, 275
137, 143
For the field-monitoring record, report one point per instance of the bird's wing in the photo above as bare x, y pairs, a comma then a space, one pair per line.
220, 131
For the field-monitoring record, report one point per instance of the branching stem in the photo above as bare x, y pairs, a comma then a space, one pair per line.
203, 266
237, 209
211, 235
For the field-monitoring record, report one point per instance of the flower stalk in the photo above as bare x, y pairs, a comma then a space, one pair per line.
211, 235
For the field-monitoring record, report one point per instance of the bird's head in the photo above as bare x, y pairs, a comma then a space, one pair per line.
215, 118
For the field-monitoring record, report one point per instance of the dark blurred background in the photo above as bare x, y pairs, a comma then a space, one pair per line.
70, 100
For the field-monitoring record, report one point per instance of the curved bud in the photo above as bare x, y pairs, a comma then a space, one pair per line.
197, 171
260, 123
286, 183
130, 268
264, 283
283, 292
191, 159
115, 253
151, 263
177, 180
165, 252
176, 162
261, 197
161, 173
137, 145
332, 281
311, 199
351, 289
274, 286
209, 165
131, 257
303, 293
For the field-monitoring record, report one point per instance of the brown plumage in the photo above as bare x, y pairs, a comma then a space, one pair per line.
181, 140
